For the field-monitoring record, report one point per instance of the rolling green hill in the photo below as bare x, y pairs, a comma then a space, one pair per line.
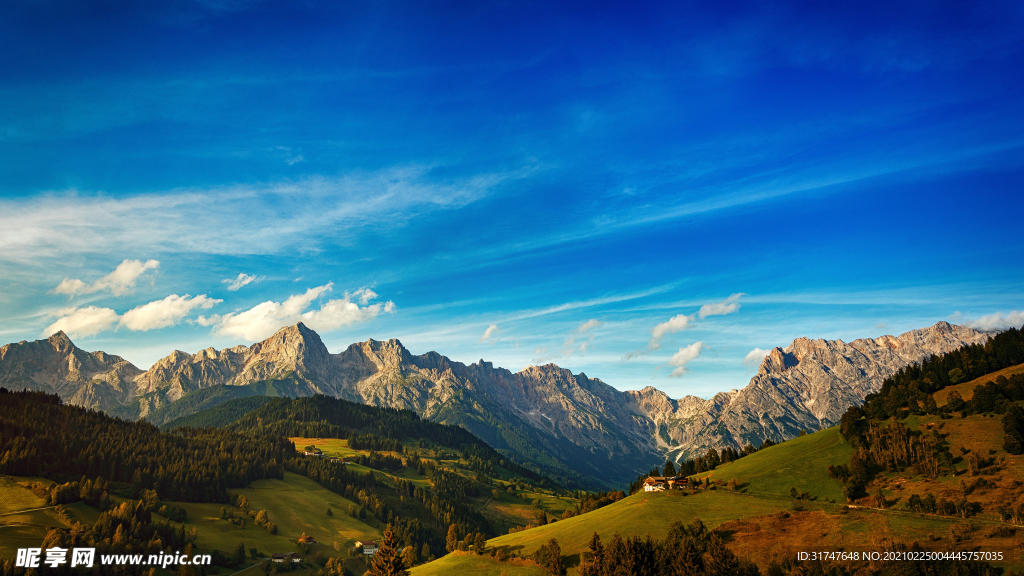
800, 463
642, 513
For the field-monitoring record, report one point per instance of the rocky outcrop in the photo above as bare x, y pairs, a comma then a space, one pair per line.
572, 426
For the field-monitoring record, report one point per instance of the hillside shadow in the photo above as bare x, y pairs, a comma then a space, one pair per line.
726, 535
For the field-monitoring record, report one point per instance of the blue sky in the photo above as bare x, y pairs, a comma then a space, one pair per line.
648, 193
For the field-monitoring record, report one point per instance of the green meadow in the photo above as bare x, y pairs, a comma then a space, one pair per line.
800, 463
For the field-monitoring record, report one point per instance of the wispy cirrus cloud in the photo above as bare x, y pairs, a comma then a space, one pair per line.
570, 346
119, 282
265, 318
490, 333
260, 218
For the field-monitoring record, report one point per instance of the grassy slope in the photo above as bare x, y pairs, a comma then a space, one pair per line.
14, 497
296, 504
753, 523
966, 389
507, 511
468, 563
643, 513
22, 529
801, 463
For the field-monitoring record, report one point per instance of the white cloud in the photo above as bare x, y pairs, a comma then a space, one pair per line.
264, 319
727, 306
71, 286
674, 324
683, 357
997, 321
120, 282
490, 332
236, 283
157, 314
86, 321
364, 295
166, 312
588, 326
680, 322
755, 356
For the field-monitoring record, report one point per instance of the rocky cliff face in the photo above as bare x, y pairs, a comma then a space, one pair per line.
569, 425
56, 365
804, 386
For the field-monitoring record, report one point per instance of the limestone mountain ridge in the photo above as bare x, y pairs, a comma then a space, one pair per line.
577, 428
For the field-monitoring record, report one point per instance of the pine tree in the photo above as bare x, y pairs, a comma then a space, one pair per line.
670, 468
452, 542
388, 559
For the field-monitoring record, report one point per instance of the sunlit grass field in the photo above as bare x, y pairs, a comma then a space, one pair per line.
800, 463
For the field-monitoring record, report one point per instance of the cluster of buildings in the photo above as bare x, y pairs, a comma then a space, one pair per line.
660, 483
317, 453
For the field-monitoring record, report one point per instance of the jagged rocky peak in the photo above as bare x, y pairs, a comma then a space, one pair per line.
294, 342
778, 360
383, 353
60, 342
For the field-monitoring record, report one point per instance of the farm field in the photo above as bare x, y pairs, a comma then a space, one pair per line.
329, 446
20, 528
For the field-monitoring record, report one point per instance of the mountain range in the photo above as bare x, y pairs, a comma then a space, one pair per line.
577, 429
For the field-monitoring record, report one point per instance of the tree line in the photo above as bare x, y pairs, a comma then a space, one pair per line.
910, 390
40, 436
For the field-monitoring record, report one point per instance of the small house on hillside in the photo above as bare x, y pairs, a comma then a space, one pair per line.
369, 547
304, 539
660, 483
279, 558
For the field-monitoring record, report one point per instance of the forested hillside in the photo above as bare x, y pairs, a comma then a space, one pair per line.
220, 415
324, 417
40, 436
